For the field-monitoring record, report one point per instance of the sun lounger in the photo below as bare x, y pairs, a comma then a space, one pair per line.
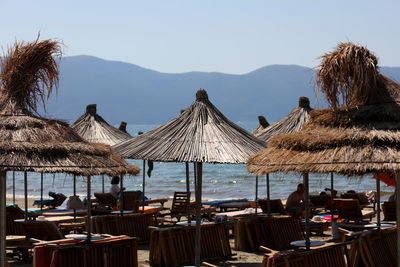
106, 200
57, 200
328, 255
350, 209
42, 230
131, 200
175, 246
276, 206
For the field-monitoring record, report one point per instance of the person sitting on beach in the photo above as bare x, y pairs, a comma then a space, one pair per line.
115, 189
295, 202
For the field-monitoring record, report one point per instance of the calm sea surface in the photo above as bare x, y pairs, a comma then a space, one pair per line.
220, 181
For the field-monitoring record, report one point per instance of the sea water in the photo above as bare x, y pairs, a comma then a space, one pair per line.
220, 181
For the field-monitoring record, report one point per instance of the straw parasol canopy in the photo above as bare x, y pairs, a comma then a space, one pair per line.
292, 123
359, 134
263, 123
201, 133
29, 142
93, 128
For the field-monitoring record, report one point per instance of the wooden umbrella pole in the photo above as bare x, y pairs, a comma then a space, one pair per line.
256, 198
89, 226
195, 175
332, 195
398, 215
102, 183
74, 195
144, 183
121, 195
188, 191
378, 200
305, 181
14, 187
268, 195
41, 191
3, 177
26, 194
198, 214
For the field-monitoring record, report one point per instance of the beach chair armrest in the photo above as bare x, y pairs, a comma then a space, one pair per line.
350, 234
267, 250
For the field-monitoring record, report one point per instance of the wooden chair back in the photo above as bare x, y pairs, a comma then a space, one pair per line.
350, 209
319, 201
106, 199
131, 200
14, 213
379, 248
42, 230
275, 205
389, 210
331, 255
180, 204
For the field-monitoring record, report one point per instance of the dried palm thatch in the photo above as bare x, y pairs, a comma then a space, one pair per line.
28, 74
200, 134
263, 123
351, 140
350, 72
93, 128
30, 143
292, 123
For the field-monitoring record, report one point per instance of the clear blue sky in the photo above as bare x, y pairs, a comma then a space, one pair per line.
208, 35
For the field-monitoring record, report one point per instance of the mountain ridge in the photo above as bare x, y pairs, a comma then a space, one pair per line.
128, 92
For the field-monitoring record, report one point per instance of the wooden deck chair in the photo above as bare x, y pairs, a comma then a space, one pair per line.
179, 206
389, 210
131, 200
319, 201
275, 205
328, 255
350, 209
378, 248
42, 230
106, 199
13, 212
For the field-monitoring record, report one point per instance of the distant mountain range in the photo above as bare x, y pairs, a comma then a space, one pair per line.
127, 92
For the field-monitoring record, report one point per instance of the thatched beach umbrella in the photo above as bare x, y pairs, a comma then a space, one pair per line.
94, 129
263, 123
29, 142
199, 134
292, 123
359, 135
